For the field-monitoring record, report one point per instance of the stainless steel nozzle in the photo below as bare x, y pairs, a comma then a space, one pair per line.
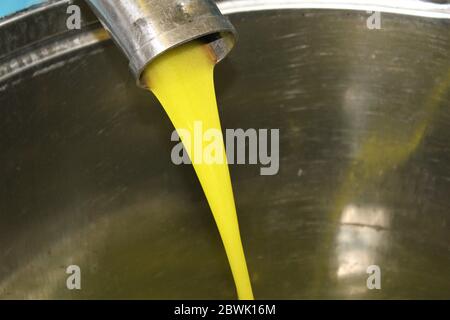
144, 29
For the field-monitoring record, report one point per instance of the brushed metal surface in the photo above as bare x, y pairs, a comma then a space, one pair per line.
364, 170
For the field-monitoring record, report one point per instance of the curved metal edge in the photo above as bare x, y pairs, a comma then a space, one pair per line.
403, 7
220, 46
26, 61
32, 10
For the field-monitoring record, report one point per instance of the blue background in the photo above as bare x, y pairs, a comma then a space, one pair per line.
10, 6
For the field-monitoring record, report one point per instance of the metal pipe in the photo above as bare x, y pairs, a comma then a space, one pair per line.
144, 29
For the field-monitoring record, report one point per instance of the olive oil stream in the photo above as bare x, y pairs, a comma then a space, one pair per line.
182, 80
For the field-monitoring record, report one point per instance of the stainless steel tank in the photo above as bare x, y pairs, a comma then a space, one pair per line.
364, 177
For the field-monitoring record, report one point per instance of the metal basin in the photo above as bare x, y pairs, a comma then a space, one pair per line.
364, 161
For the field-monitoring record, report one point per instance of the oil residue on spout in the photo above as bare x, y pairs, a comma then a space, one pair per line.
182, 80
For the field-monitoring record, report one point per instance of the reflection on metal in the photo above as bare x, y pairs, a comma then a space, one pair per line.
360, 236
365, 217
408, 7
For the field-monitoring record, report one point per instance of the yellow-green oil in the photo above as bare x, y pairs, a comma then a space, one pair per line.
182, 80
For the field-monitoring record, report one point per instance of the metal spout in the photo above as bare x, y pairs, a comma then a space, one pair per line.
144, 29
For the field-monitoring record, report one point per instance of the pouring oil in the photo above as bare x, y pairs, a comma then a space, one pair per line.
182, 80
